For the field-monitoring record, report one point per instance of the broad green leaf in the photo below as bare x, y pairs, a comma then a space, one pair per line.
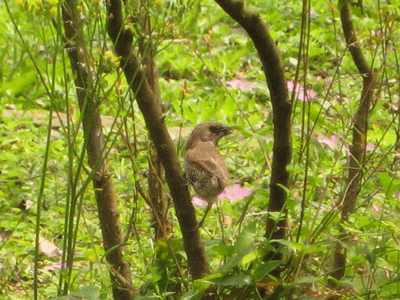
234, 261
386, 182
248, 258
237, 279
224, 250
314, 249
264, 269
245, 238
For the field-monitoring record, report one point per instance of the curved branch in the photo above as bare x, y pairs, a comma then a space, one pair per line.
274, 73
361, 118
357, 150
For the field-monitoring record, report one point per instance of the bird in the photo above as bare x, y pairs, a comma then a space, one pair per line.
205, 168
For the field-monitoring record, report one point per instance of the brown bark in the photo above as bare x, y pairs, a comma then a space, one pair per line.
151, 109
357, 150
274, 73
94, 139
159, 204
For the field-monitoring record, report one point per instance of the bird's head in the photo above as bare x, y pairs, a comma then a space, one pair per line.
208, 131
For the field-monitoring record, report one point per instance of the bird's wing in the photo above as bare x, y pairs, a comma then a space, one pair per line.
206, 158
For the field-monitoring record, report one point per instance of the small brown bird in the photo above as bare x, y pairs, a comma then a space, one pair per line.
205, 168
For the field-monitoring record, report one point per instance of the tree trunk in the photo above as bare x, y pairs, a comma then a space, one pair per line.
150, 107
357, 150
282, 150
94, 140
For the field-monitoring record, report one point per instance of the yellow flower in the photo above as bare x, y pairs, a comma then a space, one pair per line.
109, 53
20, 3
111, 57
53, 11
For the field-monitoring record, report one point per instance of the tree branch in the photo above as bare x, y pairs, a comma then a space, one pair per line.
274, 73
150, 107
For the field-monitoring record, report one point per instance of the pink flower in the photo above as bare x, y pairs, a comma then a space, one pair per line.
234, 193
198, 201
333, 142
330, 142
375, 209
305, 97
239, 84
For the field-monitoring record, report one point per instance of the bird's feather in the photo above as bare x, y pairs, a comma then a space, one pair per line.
205, 158
205, 168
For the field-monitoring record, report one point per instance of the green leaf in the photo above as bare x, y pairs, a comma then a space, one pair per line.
17, 85
86, 293
245, 238
264, 269
314, 249
233, 262
315, 114
387, 183
224, 250
205, 282
292, 245
237, 279
192, 295
248, 258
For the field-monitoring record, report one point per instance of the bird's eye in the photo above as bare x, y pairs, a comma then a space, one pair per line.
214, 129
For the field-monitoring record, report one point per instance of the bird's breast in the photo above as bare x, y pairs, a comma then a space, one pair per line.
207, 186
